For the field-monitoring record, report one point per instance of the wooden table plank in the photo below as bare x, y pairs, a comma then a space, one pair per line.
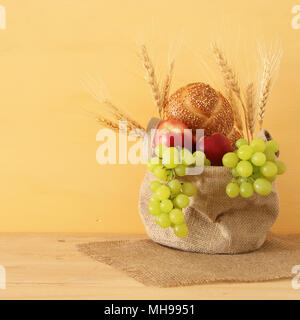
48, 266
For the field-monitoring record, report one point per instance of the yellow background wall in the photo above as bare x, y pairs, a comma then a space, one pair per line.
49, 177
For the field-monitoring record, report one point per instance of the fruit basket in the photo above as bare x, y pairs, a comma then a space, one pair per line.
210, 185
216, 222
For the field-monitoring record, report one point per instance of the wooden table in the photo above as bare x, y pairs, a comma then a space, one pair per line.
48, 266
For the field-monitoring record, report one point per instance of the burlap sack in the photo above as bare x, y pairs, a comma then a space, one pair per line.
217, 224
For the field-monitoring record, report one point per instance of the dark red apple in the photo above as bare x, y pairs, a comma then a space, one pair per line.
215, 146
173, 133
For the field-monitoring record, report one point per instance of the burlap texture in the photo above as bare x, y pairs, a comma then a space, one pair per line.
156, 265
217, 223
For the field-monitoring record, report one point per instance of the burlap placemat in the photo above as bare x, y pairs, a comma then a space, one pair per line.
155, 265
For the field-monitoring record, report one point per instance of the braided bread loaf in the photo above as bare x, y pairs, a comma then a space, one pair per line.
199, 106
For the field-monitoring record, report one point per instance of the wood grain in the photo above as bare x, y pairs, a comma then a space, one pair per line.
48, 266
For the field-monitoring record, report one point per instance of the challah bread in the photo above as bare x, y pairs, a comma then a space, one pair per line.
199, 106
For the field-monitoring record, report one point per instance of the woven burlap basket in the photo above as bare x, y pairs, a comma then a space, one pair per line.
217, 223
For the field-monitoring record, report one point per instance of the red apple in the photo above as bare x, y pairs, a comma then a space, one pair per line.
173, 133
215, 146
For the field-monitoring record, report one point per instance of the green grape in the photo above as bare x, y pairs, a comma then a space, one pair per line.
258, 145
269, 169
270, 154
181, 230
150, 166
154, 185
155, 160
163, 192
273, 145
188, 189
186, 157
166, 178
175, 187
176, 216
232, 190
181, 201
281, 167
154, 208
241, 142
153, 163
159, 150
246, 189
234, 172
241, 180
170, 158
207, 162
271, 179
180, 170
166, 206
163, 220
262, 186
160, 173
258, 158
230, 160
154, 198
244, 169
199, 158
245, 152
234, 180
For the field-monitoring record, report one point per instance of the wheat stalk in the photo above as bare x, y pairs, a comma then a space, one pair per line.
98, 92
250, 107
150, 77
166, 87
133, 131
108, 123
264, 91
271, 62
122, 116
230, 80
236, 111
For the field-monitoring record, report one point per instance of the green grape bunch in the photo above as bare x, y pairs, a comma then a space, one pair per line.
254, 167
169, 195
167, 202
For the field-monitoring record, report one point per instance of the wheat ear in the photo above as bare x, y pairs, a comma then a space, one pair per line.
250, 108
150, 77
230, 80
264, 92
107, 123
271, 62
97, 90
166, 87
